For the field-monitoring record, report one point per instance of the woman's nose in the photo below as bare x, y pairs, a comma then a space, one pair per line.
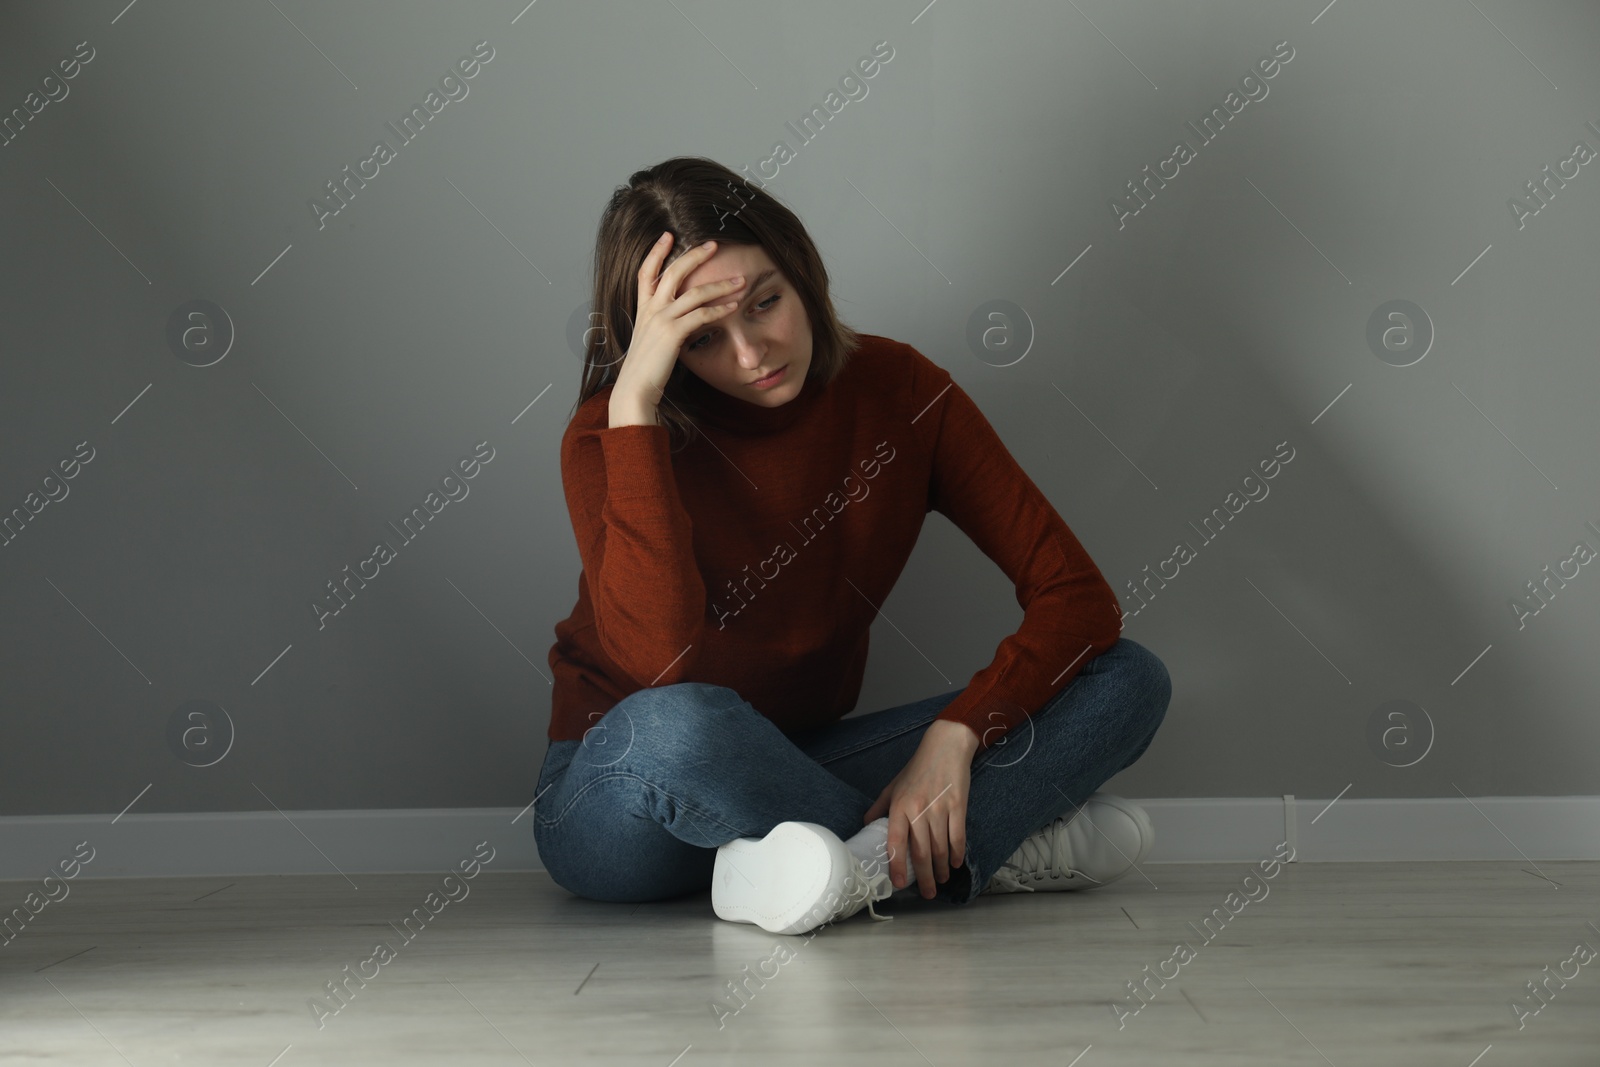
745, 351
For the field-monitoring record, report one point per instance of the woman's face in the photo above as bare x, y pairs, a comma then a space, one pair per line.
768, 331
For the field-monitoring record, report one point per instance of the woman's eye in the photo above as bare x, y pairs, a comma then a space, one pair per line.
765, 305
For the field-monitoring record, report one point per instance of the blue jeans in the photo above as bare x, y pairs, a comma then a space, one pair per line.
636, 809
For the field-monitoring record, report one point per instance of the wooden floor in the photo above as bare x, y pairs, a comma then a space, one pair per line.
1343, 964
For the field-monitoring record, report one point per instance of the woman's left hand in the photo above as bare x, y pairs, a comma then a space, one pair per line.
927, 804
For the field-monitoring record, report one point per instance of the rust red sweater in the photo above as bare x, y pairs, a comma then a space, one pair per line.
756, 558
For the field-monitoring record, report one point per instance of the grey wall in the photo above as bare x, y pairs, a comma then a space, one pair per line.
366, 358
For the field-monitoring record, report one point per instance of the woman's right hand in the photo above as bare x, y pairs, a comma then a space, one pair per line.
665, 320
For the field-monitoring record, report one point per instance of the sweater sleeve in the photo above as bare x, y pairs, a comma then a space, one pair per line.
635, 538
1070, 614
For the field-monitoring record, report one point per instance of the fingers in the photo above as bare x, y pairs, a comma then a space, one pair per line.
922, 859
938, 837
685, 304
926, 837
677, 269
897, 849
936, 867
651, 267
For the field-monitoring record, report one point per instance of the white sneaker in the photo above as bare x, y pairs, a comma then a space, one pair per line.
1111, 838
800, 876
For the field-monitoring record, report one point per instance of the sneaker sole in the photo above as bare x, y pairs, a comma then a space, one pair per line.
781, 882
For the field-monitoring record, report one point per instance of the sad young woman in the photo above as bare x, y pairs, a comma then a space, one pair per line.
698, 736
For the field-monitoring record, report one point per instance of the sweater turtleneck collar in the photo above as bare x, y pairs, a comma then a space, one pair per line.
713, 407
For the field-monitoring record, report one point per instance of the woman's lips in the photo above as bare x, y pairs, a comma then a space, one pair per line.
772, 379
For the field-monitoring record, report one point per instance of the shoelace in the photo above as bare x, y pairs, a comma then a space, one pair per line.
860, 886
1041, 855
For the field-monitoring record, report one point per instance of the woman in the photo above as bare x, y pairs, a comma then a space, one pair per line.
746, 478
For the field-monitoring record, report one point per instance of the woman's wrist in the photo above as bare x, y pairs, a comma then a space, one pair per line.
949, 731
629, 411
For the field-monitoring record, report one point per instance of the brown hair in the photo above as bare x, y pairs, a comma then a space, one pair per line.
698, 200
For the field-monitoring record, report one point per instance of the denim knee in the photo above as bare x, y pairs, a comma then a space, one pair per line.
665, 722
1149, 678
1133, 660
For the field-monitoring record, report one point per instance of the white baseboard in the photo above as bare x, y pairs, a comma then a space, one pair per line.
1188, 830
1212, 830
